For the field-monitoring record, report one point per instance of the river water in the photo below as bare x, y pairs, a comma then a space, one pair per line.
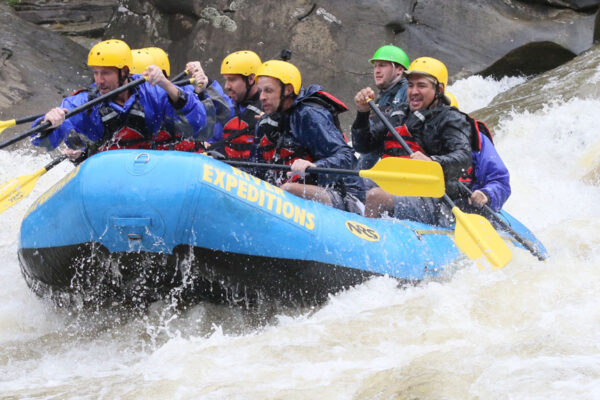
528, 331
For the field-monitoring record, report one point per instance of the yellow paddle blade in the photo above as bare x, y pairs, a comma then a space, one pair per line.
7, 124
407, 177
476, 237
17, 189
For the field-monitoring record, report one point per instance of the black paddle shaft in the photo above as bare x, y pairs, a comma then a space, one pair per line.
31, 118
72, 112
281, 167
526, 243
55, 162
179, 76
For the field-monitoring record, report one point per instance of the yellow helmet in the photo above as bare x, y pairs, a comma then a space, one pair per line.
141, 59
429, 67
110, 53
161, 59
284, 71
244, 62
450, 97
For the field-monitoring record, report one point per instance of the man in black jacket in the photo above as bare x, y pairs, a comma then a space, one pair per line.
433, 130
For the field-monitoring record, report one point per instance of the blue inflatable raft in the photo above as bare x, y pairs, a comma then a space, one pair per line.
132, 225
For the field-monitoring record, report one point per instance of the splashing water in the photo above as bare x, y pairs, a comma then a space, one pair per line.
476, 92
529, 330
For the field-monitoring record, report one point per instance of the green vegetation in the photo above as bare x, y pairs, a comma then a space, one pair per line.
12, 2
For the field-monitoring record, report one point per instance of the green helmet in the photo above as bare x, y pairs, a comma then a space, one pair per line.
391, 53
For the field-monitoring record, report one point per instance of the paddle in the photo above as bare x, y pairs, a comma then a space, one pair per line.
74, 111
526, 243
18, 188
399, 176
183, 82
13, 122
180, 75
473, 234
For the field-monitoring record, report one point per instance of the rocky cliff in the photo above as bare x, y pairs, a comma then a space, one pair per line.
331, 40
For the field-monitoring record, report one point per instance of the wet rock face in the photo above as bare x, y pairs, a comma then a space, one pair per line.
37, 67
332, 40
40, 12
574, 4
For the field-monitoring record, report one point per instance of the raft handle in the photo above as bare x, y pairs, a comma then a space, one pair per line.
139, 160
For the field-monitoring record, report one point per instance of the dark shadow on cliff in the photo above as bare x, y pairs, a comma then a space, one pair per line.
531, 59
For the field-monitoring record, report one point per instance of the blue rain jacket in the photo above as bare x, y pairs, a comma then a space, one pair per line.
220, 109
491, 175
157, 109
313, 127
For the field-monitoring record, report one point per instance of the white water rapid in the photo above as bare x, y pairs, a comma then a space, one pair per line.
528, 331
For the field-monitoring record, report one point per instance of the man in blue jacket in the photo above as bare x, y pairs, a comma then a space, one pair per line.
299, 129
131, 118
219, 107
491, 183
491, 186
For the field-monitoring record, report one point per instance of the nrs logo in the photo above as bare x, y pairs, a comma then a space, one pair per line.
362, 231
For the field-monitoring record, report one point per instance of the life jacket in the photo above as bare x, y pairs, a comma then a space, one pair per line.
238, 133
478, 128
277, 146
393, 148
129, 131
121, 131
281, 148
125, 131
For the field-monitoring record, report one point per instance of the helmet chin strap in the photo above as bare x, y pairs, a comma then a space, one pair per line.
248, 87
122, 77
283, 96
437, 96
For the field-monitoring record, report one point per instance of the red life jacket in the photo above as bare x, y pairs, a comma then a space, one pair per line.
279, 147
393, 148
282, 149
130, 132
478, 128
163, 140
125, 131
277, 144
238, 133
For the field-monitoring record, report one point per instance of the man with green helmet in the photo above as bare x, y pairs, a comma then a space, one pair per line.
299, 129
389, 63
432, 129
